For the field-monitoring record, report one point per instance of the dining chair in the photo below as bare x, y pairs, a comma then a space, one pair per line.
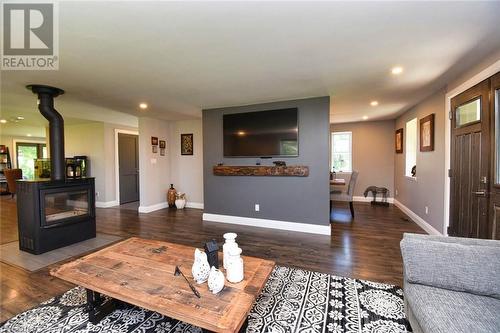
346, 196
11, 175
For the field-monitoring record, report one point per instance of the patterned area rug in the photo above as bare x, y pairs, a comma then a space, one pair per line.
293, 300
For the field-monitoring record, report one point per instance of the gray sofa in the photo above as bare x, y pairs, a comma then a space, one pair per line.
451, 284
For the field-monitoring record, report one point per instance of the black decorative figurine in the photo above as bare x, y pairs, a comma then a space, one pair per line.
212, 251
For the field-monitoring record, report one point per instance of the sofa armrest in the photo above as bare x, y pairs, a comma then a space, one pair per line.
467, 265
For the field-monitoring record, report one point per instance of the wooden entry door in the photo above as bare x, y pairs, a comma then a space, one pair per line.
470, 163
495, 153
128, 159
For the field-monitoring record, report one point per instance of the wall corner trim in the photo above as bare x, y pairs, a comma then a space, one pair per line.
417, 219
272, 224
370, 198
106, 204
196, 205
152, 208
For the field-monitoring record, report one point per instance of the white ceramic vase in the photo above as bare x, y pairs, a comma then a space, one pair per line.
234, 270
180, 203
215, 280
230, 243
201, 268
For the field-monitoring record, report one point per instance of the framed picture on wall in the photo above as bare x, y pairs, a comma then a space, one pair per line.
155, 149
154, 141
427, 133
162, 151
399, 141
163, 144
186, 144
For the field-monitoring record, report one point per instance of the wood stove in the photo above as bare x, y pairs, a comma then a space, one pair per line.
57, 212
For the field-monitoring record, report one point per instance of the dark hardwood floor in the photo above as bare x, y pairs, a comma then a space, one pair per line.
366, 247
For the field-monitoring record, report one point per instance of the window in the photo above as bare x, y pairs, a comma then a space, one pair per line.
26, 154
342, 151
468, 113
411, 146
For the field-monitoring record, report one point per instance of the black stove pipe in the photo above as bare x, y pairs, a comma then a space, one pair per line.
46, 95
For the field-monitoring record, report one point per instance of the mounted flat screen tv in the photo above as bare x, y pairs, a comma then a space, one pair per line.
261, 134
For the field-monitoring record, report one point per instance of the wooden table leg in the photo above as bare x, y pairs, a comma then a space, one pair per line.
97, 307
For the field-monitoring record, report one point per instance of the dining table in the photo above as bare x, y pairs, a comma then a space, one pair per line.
337, 182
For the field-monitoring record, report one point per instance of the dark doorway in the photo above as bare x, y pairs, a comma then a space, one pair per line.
470, 158
128, 166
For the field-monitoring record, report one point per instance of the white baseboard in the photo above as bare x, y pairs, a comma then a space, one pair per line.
273, 224
417, 219
370, 198
106, 204
152, 208
197, 205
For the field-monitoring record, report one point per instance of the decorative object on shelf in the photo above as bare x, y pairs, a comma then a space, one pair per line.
215, 280
427, 133
154, 141
377, 190
4, 158
279, 163
163, 144
399, 141
201, 268
220, 164
230, 242
73, 171
234, 270
212, 251
186, 144
178, 272
180, 200
414, 171
171, 195
262, 170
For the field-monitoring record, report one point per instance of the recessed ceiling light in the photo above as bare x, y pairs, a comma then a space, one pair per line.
3, 121
241, 133
397, 70
143, 106
365, 117
373, 103
20, 118
28, 134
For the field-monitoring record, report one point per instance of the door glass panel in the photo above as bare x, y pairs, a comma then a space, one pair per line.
468, 113
497, 136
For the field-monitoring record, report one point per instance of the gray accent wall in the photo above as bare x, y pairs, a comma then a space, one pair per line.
291, 199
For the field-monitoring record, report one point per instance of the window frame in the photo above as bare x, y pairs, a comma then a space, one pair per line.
333, 134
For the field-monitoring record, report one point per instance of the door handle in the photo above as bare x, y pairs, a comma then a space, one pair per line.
480, 193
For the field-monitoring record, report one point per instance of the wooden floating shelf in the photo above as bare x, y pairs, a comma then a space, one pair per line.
261, 170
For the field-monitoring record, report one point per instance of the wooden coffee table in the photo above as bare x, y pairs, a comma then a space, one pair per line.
141, 272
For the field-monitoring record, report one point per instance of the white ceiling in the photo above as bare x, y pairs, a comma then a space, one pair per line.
182, 57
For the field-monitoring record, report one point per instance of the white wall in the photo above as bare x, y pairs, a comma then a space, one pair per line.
154, 170
187, 170
88, 139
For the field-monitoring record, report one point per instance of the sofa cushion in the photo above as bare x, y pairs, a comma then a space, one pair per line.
443, 311
470, 266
